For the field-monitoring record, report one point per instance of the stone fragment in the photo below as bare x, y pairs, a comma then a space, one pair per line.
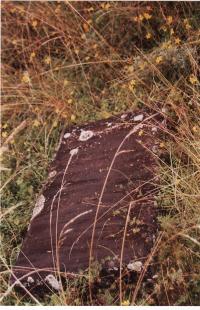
38, 206
86, 135
138, 118
135, 266
67, 135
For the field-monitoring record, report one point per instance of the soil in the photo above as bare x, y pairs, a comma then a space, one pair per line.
59, 238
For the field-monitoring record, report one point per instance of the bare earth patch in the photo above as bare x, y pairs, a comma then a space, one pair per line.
98, 204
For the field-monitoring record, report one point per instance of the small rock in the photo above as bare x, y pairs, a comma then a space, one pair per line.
30, 280
154, 149
86, 135
123, 116
138, 118
38, 206
109, 124
154, 129
135, 266
52, 174
155, 276
74, 151
67, 135
50, 279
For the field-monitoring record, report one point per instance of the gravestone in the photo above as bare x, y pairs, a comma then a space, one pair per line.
98, 204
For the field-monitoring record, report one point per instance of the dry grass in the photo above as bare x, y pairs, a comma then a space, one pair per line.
70, 62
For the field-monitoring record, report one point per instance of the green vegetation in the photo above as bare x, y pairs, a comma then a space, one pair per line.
71, 62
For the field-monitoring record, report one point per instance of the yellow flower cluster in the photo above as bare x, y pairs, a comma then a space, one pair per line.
32, 55
125, 303
105, 6
141, 17
47, 60
193, 79
159, 59
25, 78
131, 85
148, 35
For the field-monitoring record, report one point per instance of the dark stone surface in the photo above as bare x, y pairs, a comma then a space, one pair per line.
59, 237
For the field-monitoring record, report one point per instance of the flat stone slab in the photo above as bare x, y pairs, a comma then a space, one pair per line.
102, 171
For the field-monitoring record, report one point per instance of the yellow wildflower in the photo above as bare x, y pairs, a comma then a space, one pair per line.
32, 56
131, 85
36, 123
177, 40
129, 68
73, 117
125, 303
69, 101
4, 134
188, 26
169, 20
140, 17
132, 82
166, 44
141, 132
5, 126
194, 129
193, 79
159, 59
91, 9
25, 77
47, 60
163, 28
13, 10
162, 145
105, 6
34, 23
148, 35
147, 16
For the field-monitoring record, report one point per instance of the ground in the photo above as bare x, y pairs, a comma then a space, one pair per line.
67, 63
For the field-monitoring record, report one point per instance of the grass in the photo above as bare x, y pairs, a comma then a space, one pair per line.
72, 62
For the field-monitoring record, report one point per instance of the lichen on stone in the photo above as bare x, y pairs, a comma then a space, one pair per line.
135, 266
67, 135
138, 118
74, 151
38, 206
52, 174
53, 282
86, 135
30, 280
